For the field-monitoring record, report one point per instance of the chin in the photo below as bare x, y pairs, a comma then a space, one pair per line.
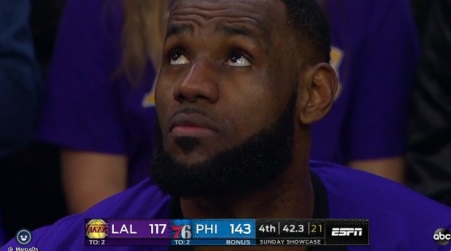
191, 160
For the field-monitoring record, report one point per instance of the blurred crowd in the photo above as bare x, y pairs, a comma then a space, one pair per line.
77, 107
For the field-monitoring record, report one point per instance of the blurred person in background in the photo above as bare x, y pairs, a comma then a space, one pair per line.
429, 155
99, 105
19, 77
421, 12
375, 50
44, 20
19, 81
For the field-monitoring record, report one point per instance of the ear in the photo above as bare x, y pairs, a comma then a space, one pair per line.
317, 88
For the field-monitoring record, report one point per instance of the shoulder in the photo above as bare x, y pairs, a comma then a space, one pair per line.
392, 209
142, 201
369, 9
145, 200
92, 16
86, 28
365, 21
92, 6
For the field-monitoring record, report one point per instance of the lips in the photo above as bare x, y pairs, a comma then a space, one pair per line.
191, 125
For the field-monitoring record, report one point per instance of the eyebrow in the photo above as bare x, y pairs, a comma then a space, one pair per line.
240, 30
177, 29
234, 30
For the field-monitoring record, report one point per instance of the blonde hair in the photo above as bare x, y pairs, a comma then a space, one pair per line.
142, 36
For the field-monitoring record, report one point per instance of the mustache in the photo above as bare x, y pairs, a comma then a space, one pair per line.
195, 110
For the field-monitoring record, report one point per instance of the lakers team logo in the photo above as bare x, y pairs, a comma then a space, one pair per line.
96, 229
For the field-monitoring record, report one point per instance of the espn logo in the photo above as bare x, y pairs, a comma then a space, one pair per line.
347, 231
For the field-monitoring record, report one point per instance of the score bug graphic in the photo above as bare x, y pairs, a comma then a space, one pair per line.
181, 229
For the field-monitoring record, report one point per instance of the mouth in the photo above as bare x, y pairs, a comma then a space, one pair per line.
191, 125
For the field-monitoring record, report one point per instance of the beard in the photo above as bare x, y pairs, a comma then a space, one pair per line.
247, 167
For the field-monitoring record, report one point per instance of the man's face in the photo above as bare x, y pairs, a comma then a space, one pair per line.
227, 74
225, 98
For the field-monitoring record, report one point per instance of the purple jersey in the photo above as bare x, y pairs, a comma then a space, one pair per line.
375, 52
86, 107
400, 219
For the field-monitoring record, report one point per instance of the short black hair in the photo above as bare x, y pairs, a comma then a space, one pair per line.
309, 22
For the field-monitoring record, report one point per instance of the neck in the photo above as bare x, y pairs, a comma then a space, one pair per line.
290, 195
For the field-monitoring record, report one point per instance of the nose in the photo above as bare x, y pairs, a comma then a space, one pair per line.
199, 84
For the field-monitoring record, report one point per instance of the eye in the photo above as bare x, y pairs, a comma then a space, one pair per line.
177, 58
238, 59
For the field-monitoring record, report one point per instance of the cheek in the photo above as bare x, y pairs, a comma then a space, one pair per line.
163, 100
251, 106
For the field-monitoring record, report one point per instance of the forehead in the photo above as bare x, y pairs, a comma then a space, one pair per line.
265, 15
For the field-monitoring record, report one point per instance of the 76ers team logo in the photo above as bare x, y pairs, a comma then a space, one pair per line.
181, 229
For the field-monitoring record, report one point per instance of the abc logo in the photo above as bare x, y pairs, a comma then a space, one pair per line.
442, 236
